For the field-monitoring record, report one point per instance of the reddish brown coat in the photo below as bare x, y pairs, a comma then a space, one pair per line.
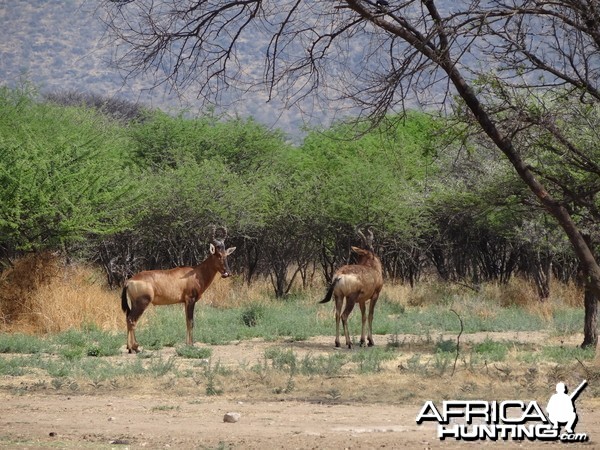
166, 287
357, 283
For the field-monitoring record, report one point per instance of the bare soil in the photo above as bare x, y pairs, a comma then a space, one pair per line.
349, 411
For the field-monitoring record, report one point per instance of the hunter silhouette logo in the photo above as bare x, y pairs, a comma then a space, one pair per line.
472, 420
561, 407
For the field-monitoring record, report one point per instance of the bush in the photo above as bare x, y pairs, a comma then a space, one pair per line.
65, 174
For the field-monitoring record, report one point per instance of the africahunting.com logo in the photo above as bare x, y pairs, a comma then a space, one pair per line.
472, 420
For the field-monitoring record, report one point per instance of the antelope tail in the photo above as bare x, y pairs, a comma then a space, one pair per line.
124, 302
330, 291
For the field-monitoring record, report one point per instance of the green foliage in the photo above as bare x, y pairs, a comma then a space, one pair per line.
159, 367
21, 343
286, 360
282, 359
191, 352
210, 374
163, 141
492, 350
370, 360
144, 193
445, 346
558, 354
252, 314
184, 200
75, 344
329, 365
13, 367
64, 174
378, 177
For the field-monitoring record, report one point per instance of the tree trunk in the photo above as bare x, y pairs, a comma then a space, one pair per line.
439, 52
542, 273
590, 330
589, 265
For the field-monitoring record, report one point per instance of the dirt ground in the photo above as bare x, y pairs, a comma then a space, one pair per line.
350, 411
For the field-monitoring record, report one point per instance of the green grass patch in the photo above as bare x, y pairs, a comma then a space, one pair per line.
191, 352
492, 350
14, 367
282, 359
445, 345
253, 314
292, 320
165, 408
22, 343
76, 344
566, 321
329, 365
558, 354
370, 360
81, 354
297, 321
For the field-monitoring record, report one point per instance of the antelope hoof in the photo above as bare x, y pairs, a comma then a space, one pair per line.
337, 344
362, 343
371, 344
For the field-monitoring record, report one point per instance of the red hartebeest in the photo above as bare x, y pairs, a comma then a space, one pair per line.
179, 285
357, 283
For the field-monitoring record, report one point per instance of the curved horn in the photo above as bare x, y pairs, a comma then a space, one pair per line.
370, 238
360, 235
223, 230
367, 241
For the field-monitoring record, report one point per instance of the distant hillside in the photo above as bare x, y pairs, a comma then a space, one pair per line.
58, 46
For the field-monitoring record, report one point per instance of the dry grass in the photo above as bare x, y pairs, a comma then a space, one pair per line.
434, 293
522, 293
42, 294
518, 292
234, 292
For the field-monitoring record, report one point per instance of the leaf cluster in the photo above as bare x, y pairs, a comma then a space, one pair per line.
146, 193
64, 174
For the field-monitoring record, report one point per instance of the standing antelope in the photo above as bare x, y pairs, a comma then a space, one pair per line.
179, 285
358, 283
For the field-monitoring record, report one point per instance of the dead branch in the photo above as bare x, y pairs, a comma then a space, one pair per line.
457, 341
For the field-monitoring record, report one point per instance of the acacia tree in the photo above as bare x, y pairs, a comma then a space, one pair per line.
377, 55
65, 176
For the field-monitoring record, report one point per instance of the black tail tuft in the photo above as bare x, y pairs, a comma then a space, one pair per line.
330, 291
124, 302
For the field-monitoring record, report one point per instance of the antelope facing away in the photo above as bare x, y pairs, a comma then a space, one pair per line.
357, 283
179, 285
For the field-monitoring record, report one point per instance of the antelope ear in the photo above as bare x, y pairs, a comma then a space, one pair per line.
212, 249
230, 250
358, 250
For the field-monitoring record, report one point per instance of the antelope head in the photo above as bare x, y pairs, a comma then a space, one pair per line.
219, 253
363, 255
367, 241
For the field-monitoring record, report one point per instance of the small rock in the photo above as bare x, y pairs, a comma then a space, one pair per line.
112, 419
52, 434
231, 417
119, 442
